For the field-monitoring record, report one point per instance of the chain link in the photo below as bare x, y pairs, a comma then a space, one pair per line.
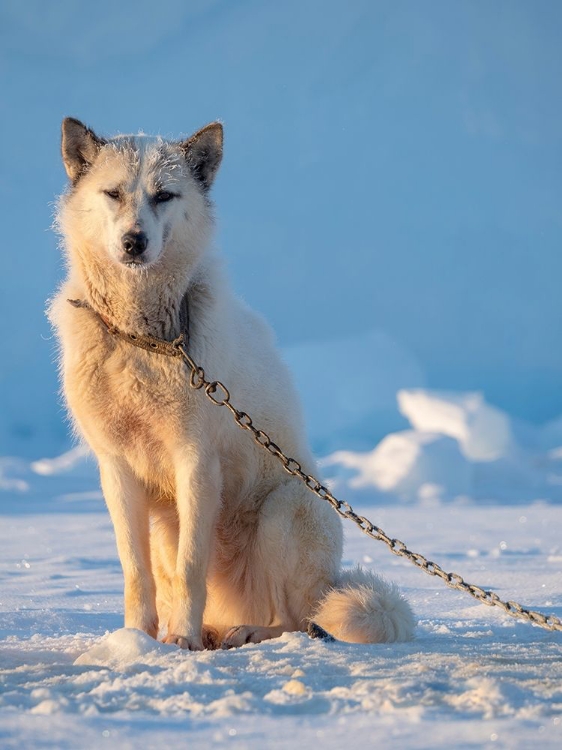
219, 395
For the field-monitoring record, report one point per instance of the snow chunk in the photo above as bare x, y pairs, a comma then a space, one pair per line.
413, 465
488, 698
483, 432
295, 687
123, 648
50, 706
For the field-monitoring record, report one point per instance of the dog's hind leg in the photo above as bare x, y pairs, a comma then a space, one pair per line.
291, 560
127, 502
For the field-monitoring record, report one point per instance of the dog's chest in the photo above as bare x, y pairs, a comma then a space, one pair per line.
129, 402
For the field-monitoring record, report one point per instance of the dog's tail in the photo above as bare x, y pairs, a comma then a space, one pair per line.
364, 608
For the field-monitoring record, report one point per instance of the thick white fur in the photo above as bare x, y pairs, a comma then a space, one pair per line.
208, 526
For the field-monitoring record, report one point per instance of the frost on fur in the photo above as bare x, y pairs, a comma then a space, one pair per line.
364, 608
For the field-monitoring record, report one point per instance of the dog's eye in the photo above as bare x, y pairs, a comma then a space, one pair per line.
113, 194
163, 196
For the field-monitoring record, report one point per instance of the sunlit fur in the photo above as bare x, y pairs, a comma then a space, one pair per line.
208, 526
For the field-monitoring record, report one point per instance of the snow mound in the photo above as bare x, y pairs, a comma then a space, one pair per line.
122, 649
459, 447
483, 431
412, 465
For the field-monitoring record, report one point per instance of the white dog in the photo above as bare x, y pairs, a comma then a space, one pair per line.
209, 527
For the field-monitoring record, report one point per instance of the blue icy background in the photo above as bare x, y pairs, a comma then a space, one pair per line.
391, 187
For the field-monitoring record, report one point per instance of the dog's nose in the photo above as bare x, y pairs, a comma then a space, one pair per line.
134, 243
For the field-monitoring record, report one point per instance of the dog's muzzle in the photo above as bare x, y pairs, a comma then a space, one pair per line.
134, 243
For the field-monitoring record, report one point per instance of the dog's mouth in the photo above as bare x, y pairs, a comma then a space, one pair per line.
135, 262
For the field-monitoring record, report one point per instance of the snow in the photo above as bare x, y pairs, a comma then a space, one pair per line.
482, 430
459, 447
72, 676
124, 648
409, 464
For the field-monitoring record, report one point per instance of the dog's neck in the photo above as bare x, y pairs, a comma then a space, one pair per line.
146, 302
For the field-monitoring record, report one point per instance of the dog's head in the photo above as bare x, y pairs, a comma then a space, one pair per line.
138, 198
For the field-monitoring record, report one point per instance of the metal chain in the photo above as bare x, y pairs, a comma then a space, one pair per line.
219, 395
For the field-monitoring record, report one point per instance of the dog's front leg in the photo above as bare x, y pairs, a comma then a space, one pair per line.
198, 490
128, 506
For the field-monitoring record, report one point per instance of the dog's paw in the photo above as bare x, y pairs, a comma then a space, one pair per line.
188, 642
211, 639
315, 631
243, 634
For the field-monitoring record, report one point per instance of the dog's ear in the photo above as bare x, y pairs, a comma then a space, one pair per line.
203, 152
79, 147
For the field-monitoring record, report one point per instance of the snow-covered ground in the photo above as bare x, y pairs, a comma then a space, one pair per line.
72, 677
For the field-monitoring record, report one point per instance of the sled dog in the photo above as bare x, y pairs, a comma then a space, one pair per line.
218, 545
